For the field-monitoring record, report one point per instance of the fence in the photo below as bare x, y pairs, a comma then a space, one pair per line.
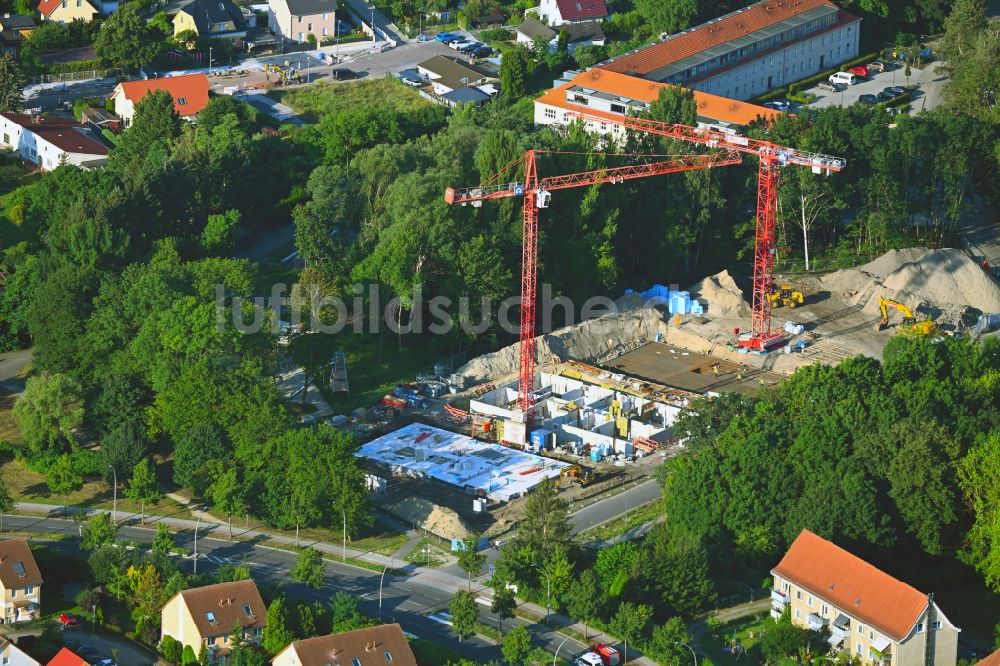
85, 75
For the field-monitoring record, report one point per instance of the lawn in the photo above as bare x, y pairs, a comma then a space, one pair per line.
629, 521
323, 98
9, 432
11, 178
745, 632
426, 554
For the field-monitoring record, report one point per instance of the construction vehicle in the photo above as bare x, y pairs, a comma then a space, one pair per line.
576, 472
599, 655
910, 325
785, 295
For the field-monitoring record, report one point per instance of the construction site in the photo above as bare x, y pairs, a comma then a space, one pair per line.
593, 404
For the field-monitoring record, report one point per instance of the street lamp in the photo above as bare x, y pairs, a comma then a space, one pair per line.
548, 590
210, 61
373, 24
380, 580
343, 554
688, 646
196, 526
114, 505
557, 650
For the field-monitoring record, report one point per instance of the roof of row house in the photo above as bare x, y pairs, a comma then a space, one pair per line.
190, 91
852, 585
216, 609
711, 34
451, 71
384, 644
310, 7
17, 565
710, 107
574, 10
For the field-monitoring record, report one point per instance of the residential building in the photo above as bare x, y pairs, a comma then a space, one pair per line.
748, 52
14, 28
66, 11
218, 19
297, 19
990, 660
446, 74
11, 655
878, 619
66, 657
98, 119
207, 615
562, 12
20, 578
585, 33
613, 95
384, 644
190, 93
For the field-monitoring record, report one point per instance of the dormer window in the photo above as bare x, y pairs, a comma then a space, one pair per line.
181, 101
247, 610
211, 616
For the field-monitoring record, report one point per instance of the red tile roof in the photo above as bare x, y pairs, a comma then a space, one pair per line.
709, 106
575, 10
46, 7
66, 658
191, 88
707, 35
852, 585
990, 660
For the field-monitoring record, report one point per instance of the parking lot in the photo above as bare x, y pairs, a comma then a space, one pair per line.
926, 95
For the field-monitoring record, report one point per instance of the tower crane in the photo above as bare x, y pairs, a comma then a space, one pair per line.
771, 158
536, 192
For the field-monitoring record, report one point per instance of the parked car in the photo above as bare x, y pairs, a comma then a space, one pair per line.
868, 99
441, 36
461, 44
842, 78
779, 105
424, 38
482, 52
831, 87
860, 70
68, 620
898, 90
410, 81
469, 48
891, 93
450, 39
878, 66
342, 74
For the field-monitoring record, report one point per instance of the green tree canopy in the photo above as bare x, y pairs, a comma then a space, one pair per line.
126, 40
48, 412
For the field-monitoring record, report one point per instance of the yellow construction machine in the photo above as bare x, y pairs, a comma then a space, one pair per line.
785, 295
910, 325
576, 472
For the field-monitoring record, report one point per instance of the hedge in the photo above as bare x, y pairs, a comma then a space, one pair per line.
79, 66
810, 81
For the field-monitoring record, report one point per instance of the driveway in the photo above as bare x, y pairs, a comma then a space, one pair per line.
128, 652
11, 364
927, 95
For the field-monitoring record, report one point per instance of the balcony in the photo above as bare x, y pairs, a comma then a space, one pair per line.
815, 622
778, 601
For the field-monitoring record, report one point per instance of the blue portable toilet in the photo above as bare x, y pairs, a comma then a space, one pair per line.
542, 439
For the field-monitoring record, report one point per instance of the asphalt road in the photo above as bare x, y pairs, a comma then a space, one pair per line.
12, 363
612, 507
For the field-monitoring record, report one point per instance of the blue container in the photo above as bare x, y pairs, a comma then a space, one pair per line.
541, 437
595, 455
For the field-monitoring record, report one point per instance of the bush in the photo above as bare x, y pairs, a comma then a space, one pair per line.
171, 649
495, 35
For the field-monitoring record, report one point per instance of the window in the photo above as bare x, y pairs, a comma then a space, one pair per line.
809, 602
225, 639
309, 26
871, 635
299, 18
920, 627
6, 138
355, 662
618, 108
13, 592
861, 629
6, 660
388, 656
798, 614
324, 32
181, 101
247, 610
326, 15
798, 593
302, 37
825, 611
211, 616
858, 648
936, 624
30, 589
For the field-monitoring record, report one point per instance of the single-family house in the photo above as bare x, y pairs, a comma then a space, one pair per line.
20, 577
66, 11
100, 119
878, 619
217, 19
190, 93
609, 94
584, 33
206, 616
992, 659
11, 655
562, 12
747, 52
66, 657
14, 28
447, 73
297, 19
383, 645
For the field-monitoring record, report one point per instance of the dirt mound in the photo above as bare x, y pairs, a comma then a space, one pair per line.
722, 297
436, 519
938, 282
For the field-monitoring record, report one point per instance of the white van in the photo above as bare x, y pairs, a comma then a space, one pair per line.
845, 78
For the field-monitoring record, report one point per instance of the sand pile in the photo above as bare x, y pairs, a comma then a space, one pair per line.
934, 281
436, 519
721, 296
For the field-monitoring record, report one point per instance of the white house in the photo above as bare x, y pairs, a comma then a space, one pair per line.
11, 655
297, 19
189, 92
51, 142
585, 33
562, 12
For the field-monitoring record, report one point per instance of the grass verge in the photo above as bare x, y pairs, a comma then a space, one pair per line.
626, 522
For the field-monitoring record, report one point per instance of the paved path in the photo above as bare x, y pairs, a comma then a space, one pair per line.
11, 365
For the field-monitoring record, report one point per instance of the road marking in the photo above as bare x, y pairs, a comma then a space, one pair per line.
484, 601
442, 618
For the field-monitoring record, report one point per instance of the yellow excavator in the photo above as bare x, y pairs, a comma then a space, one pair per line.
910, 324
576, 472
785, 295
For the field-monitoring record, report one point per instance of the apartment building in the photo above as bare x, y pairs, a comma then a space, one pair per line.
880, 620
20, 583
748, 52
208, 615
611, 94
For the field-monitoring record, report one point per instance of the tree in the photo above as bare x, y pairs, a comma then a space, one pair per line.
11, 85
503, 604
309, 568
783, 639
979, 478
62, 478
220, 232
143, 488
193, 449
464, 613
668, 16
277, 635
188, 657
676, 564
228, 495
323, 221
6, 501
546, 525
470, 559
667, 645
516, 646
614, 566
558, 576
345, 613
126, 40
513, 73
155, 125
124, 448
48, 412
163, 540
631, 622
100, 531
171, 649
146, 596
585, 599
118, 398
963, 26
